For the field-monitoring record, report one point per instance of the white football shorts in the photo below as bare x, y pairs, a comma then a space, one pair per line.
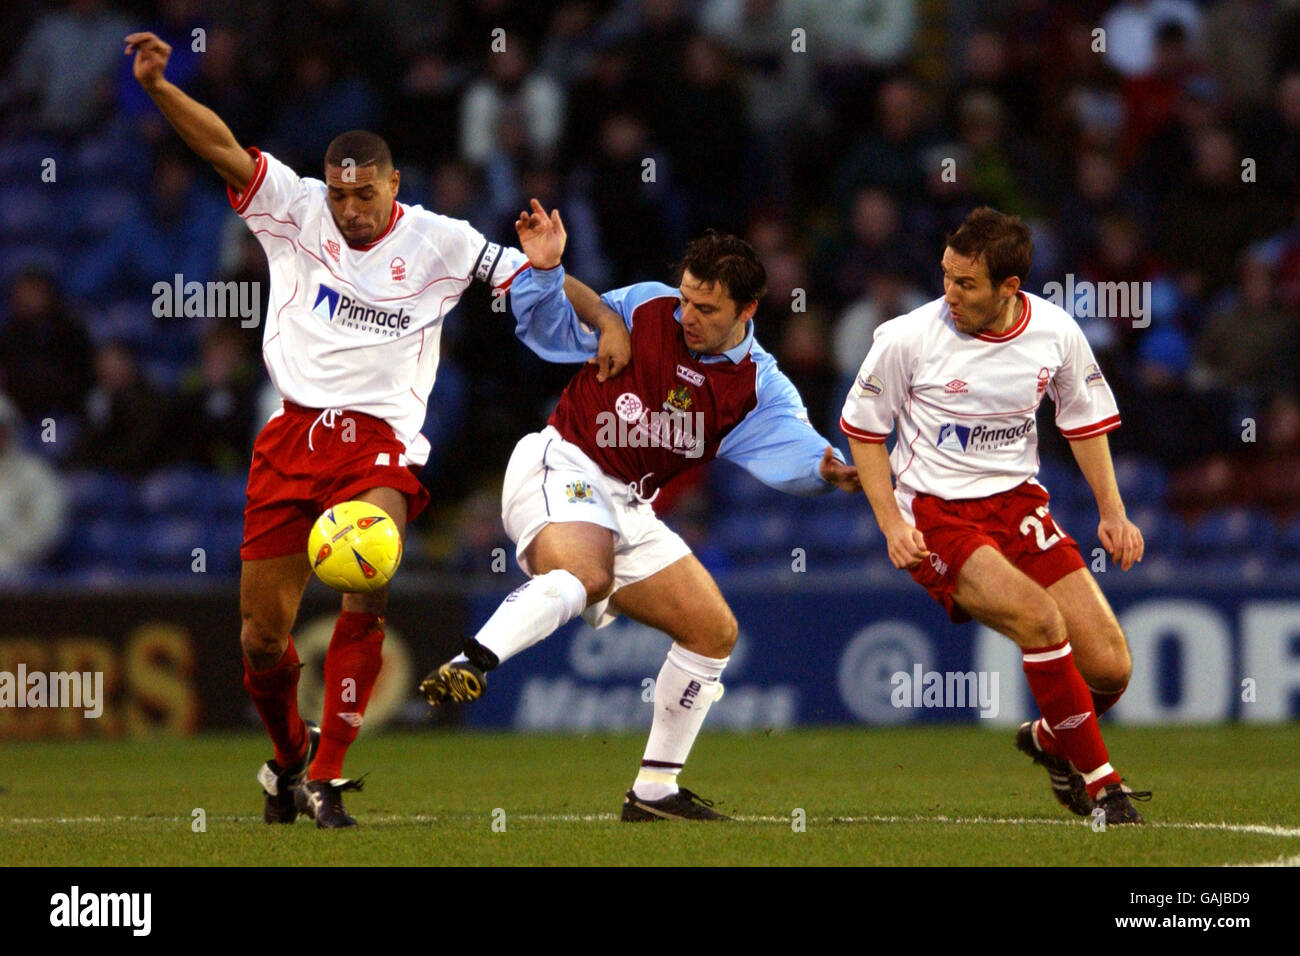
549, 479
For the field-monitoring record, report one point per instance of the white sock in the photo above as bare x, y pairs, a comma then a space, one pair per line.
531, 612
685, 689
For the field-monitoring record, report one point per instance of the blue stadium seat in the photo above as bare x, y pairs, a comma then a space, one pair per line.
1230, 533
25, 211
751, 538
98, 210
22, 159
1141, 482
103, 159
175, 491
113, 542
99, 494
1162, 531
169, 544
1288, 541
227, 495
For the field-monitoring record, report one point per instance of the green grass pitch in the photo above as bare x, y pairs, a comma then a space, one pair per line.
866, 796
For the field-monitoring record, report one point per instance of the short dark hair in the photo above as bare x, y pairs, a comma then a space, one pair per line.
719, 257
361, 146
1002, 241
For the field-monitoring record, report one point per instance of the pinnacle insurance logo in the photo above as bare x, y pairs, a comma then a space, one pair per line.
953, 437
340, 309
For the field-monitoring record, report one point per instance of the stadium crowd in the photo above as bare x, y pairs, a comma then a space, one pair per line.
1154, 142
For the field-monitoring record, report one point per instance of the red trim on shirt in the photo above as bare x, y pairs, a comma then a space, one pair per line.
239, 201
392, 221
1091, 431
861, 435
511, 278
1012, 332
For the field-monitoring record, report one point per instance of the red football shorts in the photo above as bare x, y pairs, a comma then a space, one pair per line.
307, 459
1016, 523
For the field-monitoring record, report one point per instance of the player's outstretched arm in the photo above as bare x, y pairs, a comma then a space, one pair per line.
906, 545
1119, 536
202, 129
542, 238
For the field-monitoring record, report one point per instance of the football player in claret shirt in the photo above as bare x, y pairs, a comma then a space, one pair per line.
577, 495
962, 378
360, 284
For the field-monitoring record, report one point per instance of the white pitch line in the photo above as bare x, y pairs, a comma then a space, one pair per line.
1252, 828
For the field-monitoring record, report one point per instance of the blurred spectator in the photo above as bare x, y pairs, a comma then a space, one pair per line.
1132, 29
124, 428
33, 502
873, 241
45, 362
572, 41
323, 98
1215, 216
212, 416
1249, 348
874, 34
228, 85
707, 138
1239, 38
805, 359
511, 96
178, 232
64, 69
777, 84
1099, 189
429, 94
1150, 97
890, 155
1005, 170
638, 213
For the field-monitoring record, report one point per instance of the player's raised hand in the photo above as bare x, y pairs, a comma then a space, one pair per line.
906, 545
843, 477
151, 55
541, 237
1122, 541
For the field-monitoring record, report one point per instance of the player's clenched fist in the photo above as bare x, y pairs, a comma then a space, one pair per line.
1122, 541
151, 55
906, 546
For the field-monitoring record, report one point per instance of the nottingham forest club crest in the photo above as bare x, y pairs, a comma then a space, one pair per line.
580, 490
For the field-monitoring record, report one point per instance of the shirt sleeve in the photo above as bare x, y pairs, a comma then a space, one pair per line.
882, 385
546, 322
1085, 405
274, 198
775, 442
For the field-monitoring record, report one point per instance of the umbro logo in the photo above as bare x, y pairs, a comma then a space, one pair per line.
351, 719
1071, 722
955, 387
332, 249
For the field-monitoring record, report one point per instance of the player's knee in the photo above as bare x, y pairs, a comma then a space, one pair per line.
1043, 625
598, 580
262, 642
1116, 666
725, 634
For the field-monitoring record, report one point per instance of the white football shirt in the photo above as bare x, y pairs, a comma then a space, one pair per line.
358, 328
965, 405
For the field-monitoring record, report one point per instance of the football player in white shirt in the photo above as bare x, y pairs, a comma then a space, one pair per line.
962, 378
359, 287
